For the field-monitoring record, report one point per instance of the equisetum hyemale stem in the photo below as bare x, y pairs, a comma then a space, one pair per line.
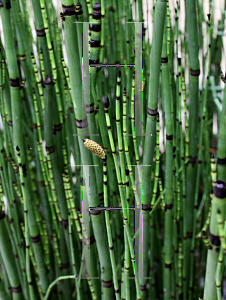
215, 236
57, 201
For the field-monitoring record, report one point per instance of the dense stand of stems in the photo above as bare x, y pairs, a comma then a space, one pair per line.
86, 201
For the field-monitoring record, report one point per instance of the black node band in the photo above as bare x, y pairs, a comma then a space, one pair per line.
2, 215
16, 289
48, 80
92, 240
221, 161
96, 27
143, 287
107, 284
168, 266
8, 4
153, 112
214, 239
168, 206
146, 207
220, 189
93, 61
41, 32
64, 223
192, 160
195, 72
82, 123
68, 10
14, 82
94, 212
106, 102
97, 16
169, 137
35, 239
164, 60
58, 127
50, 149
94, 43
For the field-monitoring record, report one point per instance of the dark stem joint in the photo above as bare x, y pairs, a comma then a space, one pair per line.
169, 137
14, 82
153, 112
35, 239
57, 127
97, 11
8, 4
214, 239
168, 206
94, 43
2, 215
93, 211
146, 207
168, 266
96, 27
220, 189
68, 10
48, 80
16, 289
143, 287
192, 160
64, 223
82, 123
50, 149
24, 169
92, 240
107, 284
195, 72
93, 61
164, 60
41, 32
221, 161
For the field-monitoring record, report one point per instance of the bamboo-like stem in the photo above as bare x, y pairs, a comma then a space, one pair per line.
27, 239
167, 100
218, 203
110, 242
193, 49
51, 108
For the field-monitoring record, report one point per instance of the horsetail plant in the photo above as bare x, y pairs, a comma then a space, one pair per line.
110, 189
